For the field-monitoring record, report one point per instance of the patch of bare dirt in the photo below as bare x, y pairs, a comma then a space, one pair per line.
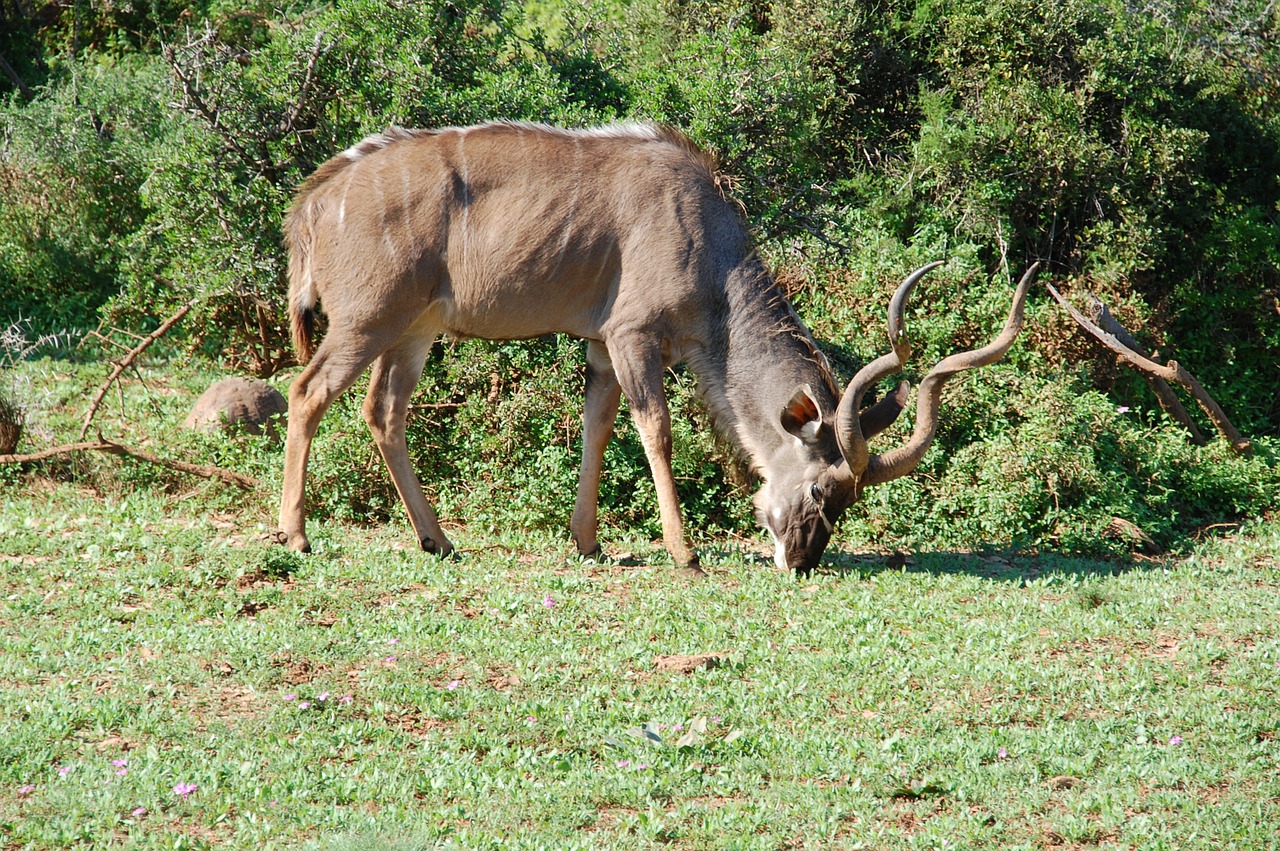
295, 669
221, 667
24, 559
252, 608
257, 578
1093, 646
501, 679
235, 701
465, 604
392, 598
112, 743
608, 819
1166, 647
322, 619
689, 664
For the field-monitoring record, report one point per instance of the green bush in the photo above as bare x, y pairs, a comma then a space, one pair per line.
72, 164
1133, 147
1053, 469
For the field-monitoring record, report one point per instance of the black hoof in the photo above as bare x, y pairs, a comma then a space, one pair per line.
430, 546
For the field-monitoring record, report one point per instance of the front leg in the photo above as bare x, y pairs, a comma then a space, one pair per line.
639, 367
391, 384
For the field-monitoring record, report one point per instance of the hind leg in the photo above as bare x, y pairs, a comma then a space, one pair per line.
336, 365
599, 413
395, 374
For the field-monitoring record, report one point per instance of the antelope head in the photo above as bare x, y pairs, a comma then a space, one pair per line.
812, 480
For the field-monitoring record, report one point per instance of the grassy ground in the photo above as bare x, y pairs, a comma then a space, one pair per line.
167, 681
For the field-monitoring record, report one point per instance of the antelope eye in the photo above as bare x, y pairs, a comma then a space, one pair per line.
815, 492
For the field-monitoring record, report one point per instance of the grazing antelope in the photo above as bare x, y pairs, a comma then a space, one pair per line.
618, 235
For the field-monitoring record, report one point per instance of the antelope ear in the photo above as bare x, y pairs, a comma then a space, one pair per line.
800, 416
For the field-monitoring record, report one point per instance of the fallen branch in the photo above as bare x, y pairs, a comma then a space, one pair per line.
112, 448
1172, 372
127, 360
1164, 393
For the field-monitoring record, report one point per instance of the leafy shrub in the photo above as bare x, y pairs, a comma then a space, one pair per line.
1134, 147
11, 422
1054, 470
72, 163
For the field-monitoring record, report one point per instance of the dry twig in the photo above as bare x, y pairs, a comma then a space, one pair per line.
124, 363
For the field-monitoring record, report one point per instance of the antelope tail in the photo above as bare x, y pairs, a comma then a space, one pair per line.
299, 235
302, 303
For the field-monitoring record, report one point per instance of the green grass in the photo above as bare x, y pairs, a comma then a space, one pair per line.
499, 700
371, 697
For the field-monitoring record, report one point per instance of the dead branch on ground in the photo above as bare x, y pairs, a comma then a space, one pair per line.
112, 448
1168, 400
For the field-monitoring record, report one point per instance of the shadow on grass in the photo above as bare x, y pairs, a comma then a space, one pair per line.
1010, 566
999, 565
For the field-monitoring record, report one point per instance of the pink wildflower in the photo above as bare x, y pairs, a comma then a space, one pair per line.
346, 698
290, 697
453, 684
1176, 740
26, 790
139, 812
64, 771
549, 601
182, 790
1002, 754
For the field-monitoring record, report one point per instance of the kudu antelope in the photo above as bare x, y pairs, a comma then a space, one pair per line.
618, 235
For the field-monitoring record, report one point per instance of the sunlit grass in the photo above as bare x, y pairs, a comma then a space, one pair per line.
369, 696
